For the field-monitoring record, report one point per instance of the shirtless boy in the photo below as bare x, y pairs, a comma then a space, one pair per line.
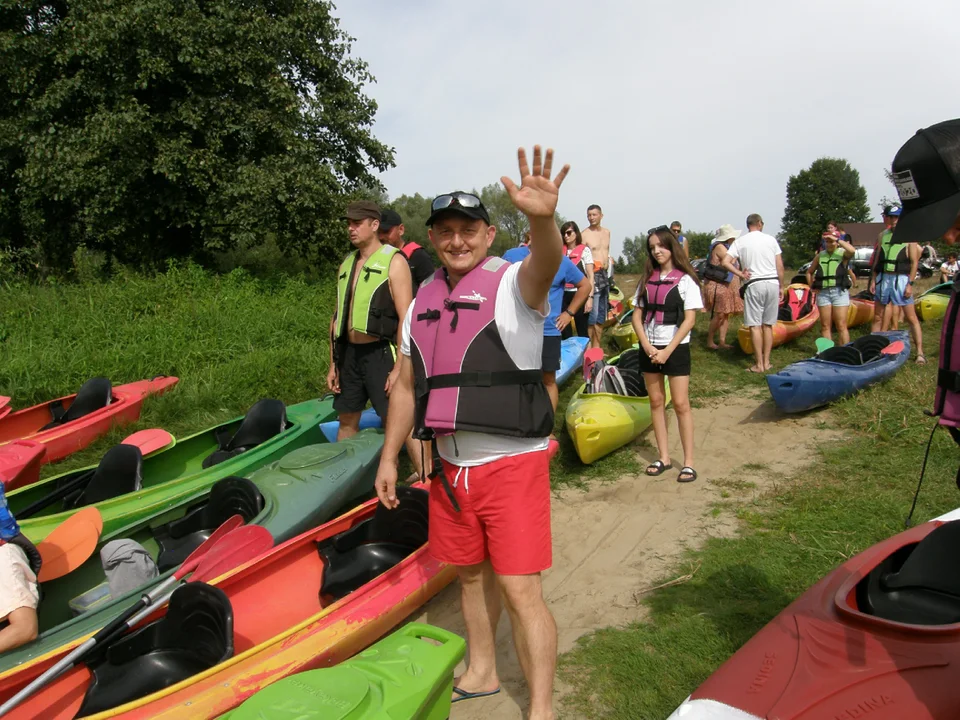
597, 238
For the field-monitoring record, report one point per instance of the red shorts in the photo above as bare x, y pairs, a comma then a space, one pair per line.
504, 515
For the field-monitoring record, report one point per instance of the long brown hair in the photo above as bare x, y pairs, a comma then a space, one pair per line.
677, 256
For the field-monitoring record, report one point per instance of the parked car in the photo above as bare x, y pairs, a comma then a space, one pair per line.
862, 261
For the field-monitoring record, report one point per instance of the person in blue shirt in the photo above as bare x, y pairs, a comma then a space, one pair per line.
557, 320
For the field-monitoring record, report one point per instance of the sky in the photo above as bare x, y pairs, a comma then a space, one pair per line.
690, 110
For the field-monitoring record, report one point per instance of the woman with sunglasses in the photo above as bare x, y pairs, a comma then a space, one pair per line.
667, 302
581, 256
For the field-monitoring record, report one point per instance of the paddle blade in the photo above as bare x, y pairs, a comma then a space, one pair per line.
235, 549
70, 545
151, 441
822, 344
194, 558
589, 358
894, 348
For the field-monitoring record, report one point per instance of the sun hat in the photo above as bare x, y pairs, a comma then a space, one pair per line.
727, 232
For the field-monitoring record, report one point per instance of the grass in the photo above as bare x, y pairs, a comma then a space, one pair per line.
857, 492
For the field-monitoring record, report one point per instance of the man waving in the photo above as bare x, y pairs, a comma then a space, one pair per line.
471, 346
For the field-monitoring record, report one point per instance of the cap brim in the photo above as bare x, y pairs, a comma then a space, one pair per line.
472, 213
929, 222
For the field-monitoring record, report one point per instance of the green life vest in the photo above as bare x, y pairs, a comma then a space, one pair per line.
893, 258
831, 271
370, 310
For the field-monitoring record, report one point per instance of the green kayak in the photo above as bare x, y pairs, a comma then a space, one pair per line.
306, 488
126, 487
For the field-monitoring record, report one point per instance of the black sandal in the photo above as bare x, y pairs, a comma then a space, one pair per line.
659, 467
688, 471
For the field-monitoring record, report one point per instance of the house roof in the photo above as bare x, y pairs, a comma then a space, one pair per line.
863, 234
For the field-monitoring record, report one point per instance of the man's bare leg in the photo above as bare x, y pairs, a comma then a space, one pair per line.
480, 604
550, 382
767, 346
535, 637
349, 425
596, 333
756, 337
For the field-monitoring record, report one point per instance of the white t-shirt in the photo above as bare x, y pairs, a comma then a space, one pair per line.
19, 586
663, 334
521, 329
950, 268
757, 252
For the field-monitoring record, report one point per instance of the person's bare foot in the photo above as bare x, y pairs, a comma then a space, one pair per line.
724, 346
713, 347
755, 369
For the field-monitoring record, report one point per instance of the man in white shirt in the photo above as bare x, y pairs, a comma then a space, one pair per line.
471, 346
762, 273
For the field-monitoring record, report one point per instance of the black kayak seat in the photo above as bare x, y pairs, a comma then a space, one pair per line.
228, 497
629, 367
358, 555
266, 419
195, 635
843, 354
94, 394
919, 584
120, 472
865, 295
870, 346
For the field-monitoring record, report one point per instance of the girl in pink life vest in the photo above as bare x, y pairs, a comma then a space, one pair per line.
667, 299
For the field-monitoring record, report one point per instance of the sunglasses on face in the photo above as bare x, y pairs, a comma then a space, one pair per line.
458, 198
569, 232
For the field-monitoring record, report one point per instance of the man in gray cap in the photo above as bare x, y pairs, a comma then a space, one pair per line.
391, 233
374, 290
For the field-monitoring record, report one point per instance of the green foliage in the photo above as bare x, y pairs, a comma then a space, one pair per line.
151, 129
828, 190
634, 255
698, 243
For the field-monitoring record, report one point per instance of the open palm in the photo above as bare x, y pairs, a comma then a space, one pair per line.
537, 195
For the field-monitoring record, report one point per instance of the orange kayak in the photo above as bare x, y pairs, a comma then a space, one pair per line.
860, 312
71, 423
784, 330
309, 603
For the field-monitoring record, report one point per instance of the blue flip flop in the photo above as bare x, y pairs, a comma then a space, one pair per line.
464, 695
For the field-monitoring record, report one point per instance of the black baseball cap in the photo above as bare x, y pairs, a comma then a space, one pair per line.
389, 219
926, 172
459, 202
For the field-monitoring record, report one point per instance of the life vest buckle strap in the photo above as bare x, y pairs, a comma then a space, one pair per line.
429, 315
484, 379
949, 380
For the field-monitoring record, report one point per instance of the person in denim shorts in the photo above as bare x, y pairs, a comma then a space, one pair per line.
829, 275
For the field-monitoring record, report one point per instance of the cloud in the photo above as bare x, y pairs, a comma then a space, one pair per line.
691, 110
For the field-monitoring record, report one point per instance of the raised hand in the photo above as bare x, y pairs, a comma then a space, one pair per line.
537, 194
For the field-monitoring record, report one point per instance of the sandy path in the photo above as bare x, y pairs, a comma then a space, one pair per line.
620, 538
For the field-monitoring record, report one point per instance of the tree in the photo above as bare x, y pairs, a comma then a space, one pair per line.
634, 254
828, 190
152, 129
698, 243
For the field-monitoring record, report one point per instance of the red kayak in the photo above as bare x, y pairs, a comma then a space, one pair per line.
20, 463
878, 639
4, 405
71, 423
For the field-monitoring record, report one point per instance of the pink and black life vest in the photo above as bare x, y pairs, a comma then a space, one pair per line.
947, 403
576, 257
409, 249
464, 377
663, 301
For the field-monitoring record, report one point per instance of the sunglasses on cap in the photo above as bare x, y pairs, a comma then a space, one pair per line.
452, 199
657, 229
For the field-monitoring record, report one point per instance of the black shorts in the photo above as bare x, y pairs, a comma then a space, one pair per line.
678, 364
363, 376
579, 323
550, 358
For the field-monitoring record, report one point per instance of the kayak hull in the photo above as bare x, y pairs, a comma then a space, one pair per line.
571, 357
65, 439
859, 313
20, 463
176, 473
306, 488
368, 419
811, 383
823, 657
932, 304
280, 627
623, 334
783, 331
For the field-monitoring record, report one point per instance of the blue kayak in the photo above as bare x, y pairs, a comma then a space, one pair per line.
571, 357
837, 372
369, 419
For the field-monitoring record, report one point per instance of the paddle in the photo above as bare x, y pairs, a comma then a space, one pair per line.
589, 358
150, 441
822, 344
894, 348
70, 544
219, 554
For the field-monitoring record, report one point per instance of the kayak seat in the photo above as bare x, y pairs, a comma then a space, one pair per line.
194, 635
918, 584
629, 365
865, 295
266, 419
120, 472
870, 346
843, 354
793, 308
228, 497
358, 555
93, 395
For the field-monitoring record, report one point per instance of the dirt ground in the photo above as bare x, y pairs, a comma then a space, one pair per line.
615, 541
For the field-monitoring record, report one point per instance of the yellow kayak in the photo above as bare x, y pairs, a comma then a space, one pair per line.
624, 334
933, 303
599, 423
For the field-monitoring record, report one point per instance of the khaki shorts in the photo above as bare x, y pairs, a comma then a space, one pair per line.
761, 301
